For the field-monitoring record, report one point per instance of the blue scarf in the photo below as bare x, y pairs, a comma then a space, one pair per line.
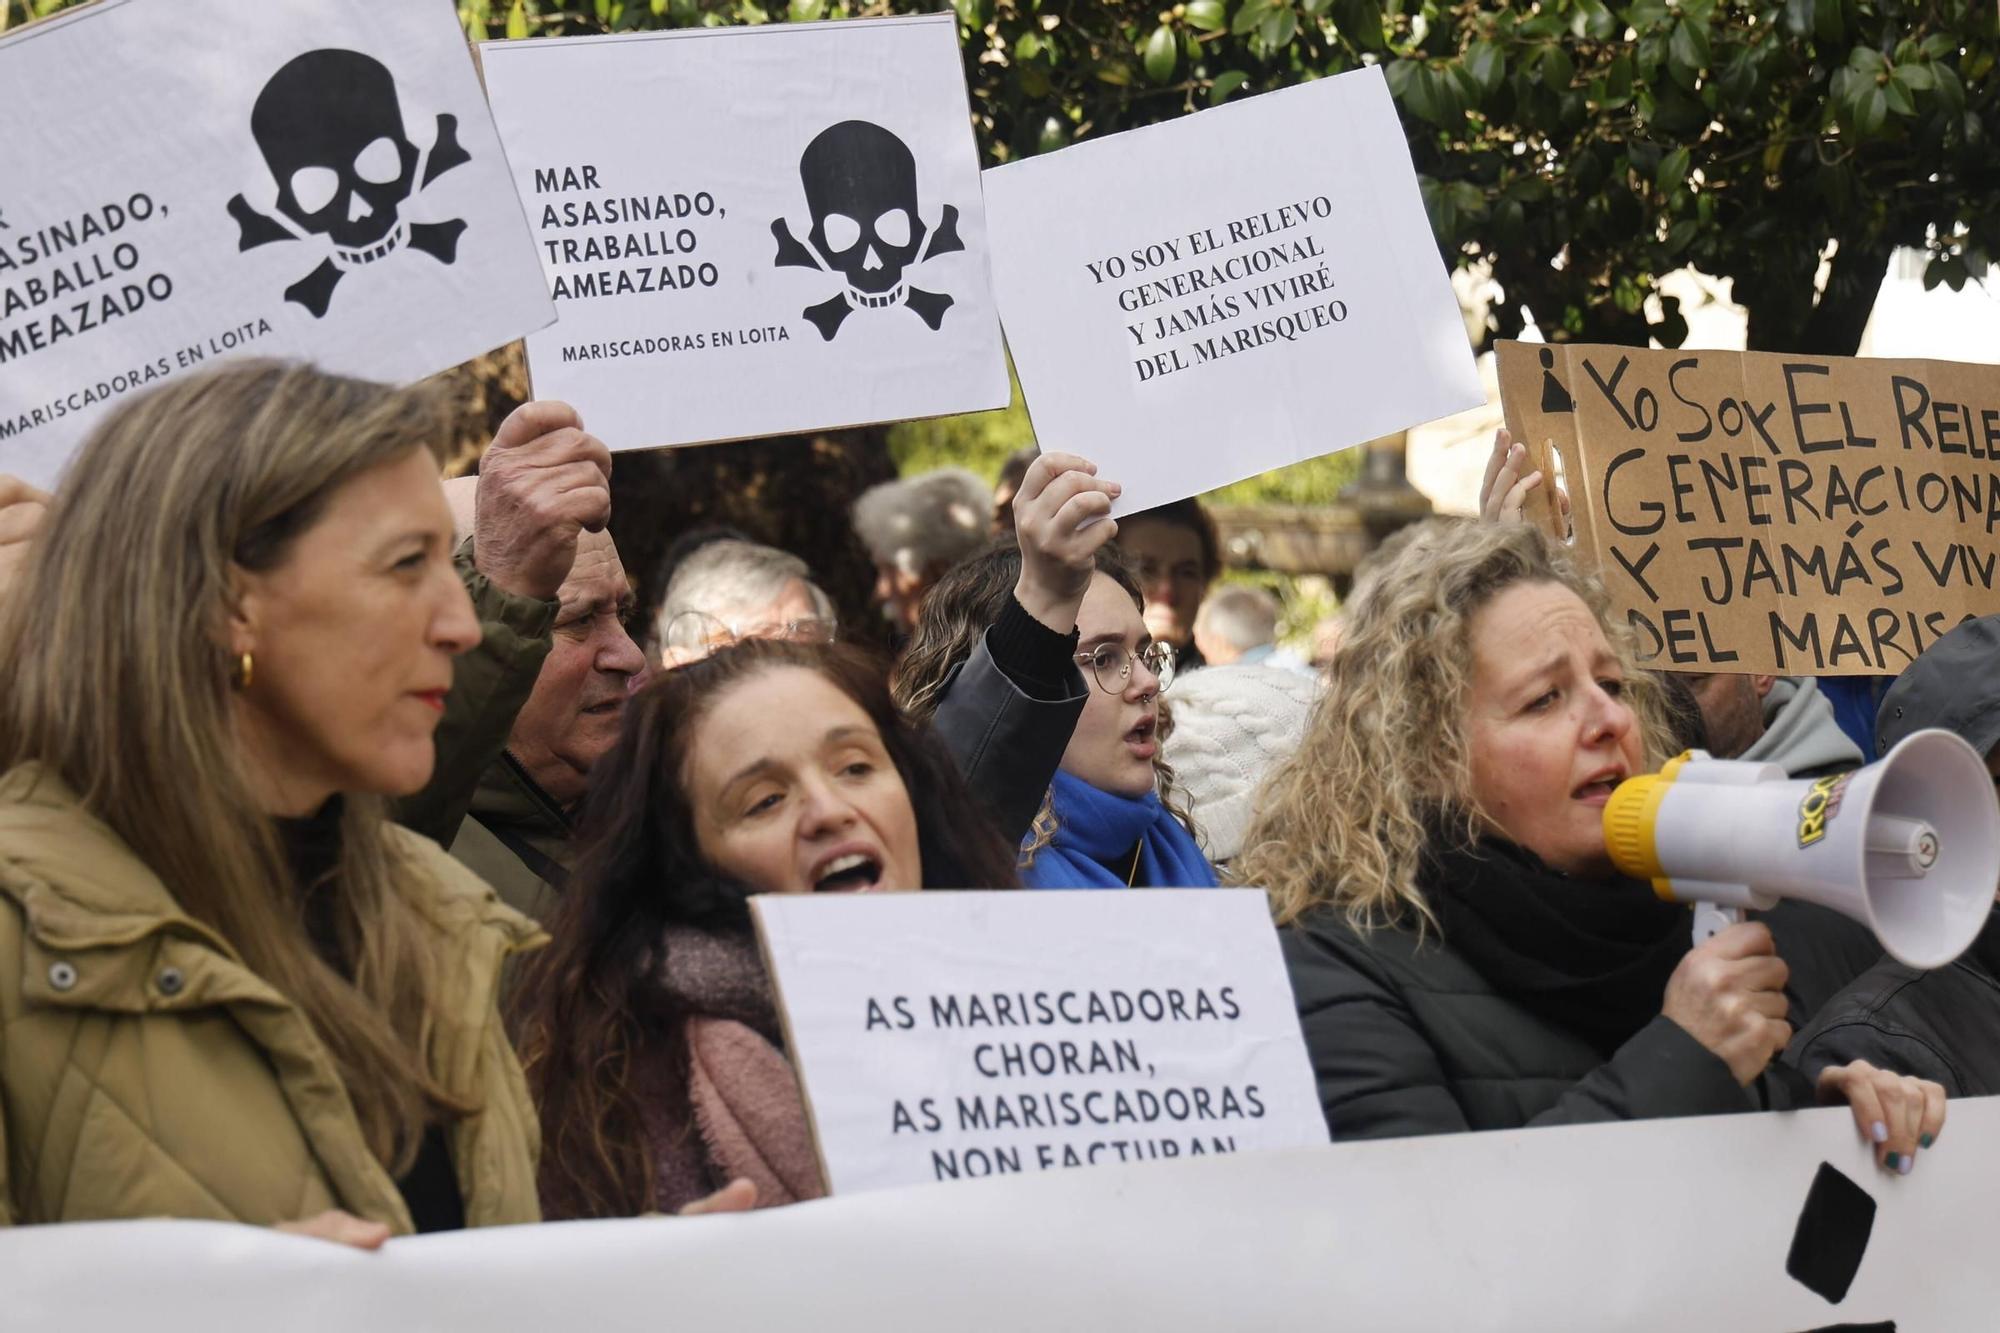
1095, 831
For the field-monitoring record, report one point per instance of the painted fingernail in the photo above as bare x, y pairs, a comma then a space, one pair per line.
1879, 1132
1893, 1162
1904, 1166
1925, 1140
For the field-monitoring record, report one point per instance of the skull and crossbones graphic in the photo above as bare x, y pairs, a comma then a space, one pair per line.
861, 189
330, 127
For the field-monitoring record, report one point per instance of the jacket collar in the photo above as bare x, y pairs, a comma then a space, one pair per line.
107, 895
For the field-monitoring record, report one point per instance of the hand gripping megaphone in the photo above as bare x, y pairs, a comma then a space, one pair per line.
1910, 846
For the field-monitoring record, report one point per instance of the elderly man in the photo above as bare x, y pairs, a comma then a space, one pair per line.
540, 700
729, 590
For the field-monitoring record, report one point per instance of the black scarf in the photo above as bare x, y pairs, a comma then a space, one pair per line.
1591, 957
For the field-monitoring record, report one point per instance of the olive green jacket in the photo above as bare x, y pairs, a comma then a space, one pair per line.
146, 1072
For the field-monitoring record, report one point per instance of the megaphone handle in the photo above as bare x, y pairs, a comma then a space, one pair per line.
1711, 918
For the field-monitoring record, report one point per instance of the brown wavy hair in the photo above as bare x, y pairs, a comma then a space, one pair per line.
957, 612
595, 1030
118, 685
1384, 765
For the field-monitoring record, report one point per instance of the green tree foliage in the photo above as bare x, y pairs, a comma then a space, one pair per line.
1580, 148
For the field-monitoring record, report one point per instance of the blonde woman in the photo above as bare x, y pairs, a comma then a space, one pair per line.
1463, 952
228, 989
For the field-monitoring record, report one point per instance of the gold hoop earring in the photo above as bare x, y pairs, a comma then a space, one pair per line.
241, 674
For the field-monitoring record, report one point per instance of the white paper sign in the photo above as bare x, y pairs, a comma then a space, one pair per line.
196, 179
951, 1036
753, 230
1664, 1226
1197, 302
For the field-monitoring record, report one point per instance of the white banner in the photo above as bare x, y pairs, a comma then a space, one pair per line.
1661, 1227
1196, 302
189, 180
753, 230
951, 1036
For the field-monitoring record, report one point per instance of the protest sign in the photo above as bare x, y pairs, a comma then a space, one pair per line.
950, 1036
1763, 513
201, 179
1193, 303
1755, 1223
753, 230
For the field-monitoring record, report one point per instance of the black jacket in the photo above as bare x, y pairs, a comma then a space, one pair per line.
1006, 716
1407, 1038
1942, 1025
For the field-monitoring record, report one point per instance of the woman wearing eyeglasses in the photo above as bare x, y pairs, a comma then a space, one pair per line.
1108, 816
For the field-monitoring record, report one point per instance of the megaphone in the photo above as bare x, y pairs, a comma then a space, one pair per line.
1910, 846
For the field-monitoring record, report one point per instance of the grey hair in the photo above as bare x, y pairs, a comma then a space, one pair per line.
726, 579
1241, 616
923, 525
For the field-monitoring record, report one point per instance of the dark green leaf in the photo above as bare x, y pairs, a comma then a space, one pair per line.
1866, 60
1673, 171
1360, 22
1208, 15
1162, 53
1899, 98
1951, 93
1939, 44
1557, 69
1279, 29
1871, 108
1251, 16
1798, 17
1828, 23
1689, 45
1915, 77
1485, 64
1226, 83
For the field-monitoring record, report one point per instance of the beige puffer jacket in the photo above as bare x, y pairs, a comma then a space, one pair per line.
146, 1072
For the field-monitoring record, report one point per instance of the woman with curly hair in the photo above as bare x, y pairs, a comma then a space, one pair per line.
1463, 952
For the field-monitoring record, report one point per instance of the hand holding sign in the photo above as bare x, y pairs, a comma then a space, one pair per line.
1062, 515
542, 482
1895, 1113
1503, 495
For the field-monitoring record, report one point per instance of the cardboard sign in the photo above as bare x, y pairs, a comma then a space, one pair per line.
1771, 1223
1196, 302
1761, 513
951, 1036
205, 179
754, 230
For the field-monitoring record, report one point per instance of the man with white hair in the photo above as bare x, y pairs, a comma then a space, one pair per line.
1237, 623
540, 700
917, 528
729, 590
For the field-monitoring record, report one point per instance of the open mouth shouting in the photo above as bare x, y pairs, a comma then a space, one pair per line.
1597, 788
846, 870
1140, 739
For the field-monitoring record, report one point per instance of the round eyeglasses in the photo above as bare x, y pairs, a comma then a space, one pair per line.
713, 632
1111, 663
